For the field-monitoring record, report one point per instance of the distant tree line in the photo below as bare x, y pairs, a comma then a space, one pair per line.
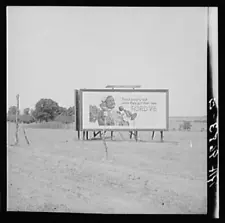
45, 110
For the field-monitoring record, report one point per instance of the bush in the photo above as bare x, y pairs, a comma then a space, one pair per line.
11, 118
26, 119
21, 118
50, 125
64, 119
186, 125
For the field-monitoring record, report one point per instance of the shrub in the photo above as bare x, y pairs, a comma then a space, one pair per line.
186, 125
64, 119
21, 118
26, 119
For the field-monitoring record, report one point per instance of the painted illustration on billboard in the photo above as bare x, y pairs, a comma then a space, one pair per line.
113, 117
124, 110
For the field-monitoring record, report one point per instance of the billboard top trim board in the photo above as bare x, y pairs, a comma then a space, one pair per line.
125, 90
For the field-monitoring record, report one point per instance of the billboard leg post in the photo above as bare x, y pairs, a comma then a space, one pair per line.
153, 133
83, 135
87, 135
96, 133
132, 133
161, 136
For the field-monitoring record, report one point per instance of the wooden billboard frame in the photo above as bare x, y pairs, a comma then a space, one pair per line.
80, 116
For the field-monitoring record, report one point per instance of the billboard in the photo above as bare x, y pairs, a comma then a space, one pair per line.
124, 109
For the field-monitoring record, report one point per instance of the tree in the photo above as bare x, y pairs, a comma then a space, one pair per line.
46, 109
12, 110
62, 111
26, 111
70, 111
33, 114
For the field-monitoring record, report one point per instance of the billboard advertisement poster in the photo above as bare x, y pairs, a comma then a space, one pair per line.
124, 109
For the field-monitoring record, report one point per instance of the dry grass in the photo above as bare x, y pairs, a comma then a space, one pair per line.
198, 124
50, 125
57, 172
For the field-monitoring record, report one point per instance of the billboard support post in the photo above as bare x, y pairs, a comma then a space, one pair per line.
161, 135
136, 135
77, 111
85, 134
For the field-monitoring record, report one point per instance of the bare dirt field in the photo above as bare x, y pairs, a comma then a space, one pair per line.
58, 173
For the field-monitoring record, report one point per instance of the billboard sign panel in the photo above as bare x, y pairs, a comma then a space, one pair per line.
124, 109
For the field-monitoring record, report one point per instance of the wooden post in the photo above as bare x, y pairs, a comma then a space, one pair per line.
153, 133
131, 133
136, 136
106, 148
161, 135
77, 113
97, 133
111, 135
26, 136
17, 124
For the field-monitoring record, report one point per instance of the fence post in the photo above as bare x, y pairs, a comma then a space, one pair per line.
17, 124
104, 142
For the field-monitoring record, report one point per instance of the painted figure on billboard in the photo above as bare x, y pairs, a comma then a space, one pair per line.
120, 117
127, 115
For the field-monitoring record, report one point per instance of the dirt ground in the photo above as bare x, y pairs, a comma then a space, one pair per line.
58, 173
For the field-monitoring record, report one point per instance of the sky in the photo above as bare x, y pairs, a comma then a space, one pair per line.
53, 50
